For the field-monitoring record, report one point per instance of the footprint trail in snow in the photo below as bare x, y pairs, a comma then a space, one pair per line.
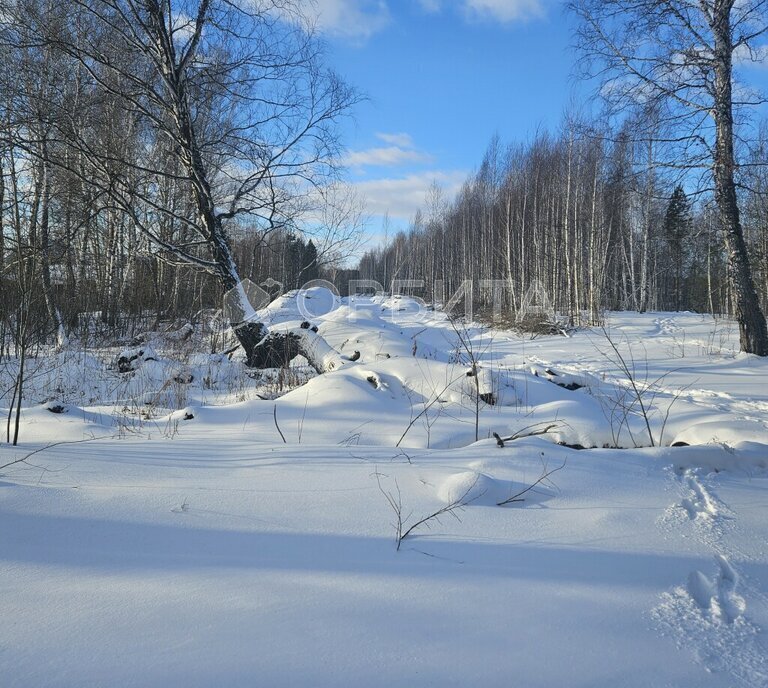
708, 615
700, 507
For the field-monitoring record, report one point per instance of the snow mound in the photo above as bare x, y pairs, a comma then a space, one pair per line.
316, 302
129, 360
727, 431
300, 304
471, 487
749, 457
56, 421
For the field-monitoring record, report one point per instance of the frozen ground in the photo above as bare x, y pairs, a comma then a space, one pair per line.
185, 543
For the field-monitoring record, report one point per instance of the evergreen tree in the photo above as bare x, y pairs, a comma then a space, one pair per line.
677, 228
310, 269
293, 261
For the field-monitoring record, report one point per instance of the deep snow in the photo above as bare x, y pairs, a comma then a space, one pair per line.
185, 544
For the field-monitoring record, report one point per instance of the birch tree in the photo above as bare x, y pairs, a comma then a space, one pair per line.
680, 55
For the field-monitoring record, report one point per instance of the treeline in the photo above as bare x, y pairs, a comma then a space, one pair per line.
587, 216
131, 286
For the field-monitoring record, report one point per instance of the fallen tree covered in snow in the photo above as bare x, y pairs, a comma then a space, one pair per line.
278, 349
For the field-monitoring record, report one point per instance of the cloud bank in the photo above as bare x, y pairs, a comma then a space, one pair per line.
401, 197
358, 20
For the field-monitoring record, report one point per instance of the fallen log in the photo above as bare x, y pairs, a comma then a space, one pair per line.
319, 354
278, 349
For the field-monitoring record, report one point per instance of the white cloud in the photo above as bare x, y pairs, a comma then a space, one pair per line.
183, 24
360, 19
402, 140
352, 19
756, 55
400, 151
504, 11
402, 197
384, 157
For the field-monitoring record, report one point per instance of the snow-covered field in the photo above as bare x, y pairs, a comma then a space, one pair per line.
229, 534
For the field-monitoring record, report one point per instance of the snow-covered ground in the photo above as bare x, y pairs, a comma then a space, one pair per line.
227, 533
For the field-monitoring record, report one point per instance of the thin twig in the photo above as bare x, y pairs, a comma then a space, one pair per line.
542, 478
396, 503
426, 408
23, 459
274, 415
522, 433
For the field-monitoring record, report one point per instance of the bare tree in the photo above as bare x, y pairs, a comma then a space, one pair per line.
230, 118
680, 54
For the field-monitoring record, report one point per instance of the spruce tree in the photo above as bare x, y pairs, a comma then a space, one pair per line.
310, 268
677, 228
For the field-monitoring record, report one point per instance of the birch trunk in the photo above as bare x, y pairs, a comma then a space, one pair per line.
752, 326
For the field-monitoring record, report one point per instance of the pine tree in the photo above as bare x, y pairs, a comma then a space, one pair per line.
677, 228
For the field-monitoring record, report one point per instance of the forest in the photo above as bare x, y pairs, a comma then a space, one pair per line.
143, 175
593, 218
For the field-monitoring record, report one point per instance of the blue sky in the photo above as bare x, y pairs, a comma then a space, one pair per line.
441, 77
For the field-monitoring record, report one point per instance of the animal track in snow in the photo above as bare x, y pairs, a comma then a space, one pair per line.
666, 326
706, 616
699, 503
701, 589
718, 597
732, 604
701, 507
722, 641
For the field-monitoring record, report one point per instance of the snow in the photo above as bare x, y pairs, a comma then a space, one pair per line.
184, 542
